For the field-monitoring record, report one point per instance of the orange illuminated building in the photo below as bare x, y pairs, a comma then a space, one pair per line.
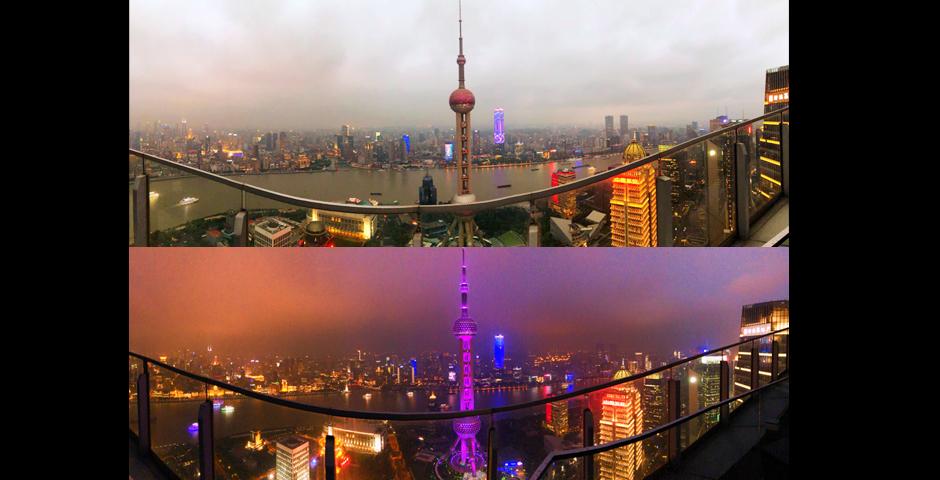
633, 203
621, 417
564, 204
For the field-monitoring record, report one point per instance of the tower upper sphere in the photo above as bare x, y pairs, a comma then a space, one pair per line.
462, 100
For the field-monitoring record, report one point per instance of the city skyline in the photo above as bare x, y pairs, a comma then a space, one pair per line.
308, 66
291, 302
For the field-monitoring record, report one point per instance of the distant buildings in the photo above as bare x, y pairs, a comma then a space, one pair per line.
292, 460
633, 203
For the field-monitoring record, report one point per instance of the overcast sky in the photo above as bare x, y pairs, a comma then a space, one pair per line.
297, 301
319, 64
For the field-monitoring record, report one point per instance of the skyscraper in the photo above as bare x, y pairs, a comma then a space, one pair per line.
710, 387
623, 127
292, 461
462, 102
758, 319
499, 136
498, 351
556, 417
621, 417
427, 192
609, 129
653, 135
466, 456
776, 96
477, 145
633, 203
653, 401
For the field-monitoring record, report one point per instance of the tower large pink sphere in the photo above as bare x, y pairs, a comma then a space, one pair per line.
462, 100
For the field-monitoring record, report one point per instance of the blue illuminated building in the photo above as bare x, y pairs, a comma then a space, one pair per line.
498, 352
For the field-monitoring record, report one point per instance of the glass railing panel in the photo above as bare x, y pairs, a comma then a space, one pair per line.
690, 169
700, 386
764, 164
249, 433
579, 217
188, 210
506, 226
134, 369
431, 449
174, 414
720, 188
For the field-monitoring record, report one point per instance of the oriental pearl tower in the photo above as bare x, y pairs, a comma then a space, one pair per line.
466, 456
462, 102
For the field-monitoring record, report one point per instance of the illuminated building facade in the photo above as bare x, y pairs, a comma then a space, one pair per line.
758, 319
499, 136
358, 436
466, 455
255, 442
776, 96
621, 417
564, 204
710, 388
448, 151
499, 352
556, 418
292, 460
351, 226
633, 203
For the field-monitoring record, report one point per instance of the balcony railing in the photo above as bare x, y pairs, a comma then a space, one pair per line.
709, 191
196, 426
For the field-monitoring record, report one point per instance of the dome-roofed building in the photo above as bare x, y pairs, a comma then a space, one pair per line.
633, 152
633, 202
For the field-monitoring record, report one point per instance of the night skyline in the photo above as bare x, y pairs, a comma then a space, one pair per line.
299, 65
337, 300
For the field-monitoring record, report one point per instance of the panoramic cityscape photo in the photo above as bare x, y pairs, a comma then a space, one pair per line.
452, 363
630, 124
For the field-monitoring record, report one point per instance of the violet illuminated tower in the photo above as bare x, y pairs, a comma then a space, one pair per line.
462, 102
466, 455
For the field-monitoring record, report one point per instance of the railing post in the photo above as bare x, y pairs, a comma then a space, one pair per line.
587, 437
664, 234
534, 234
774, 357
330, 452
724, 390
755, 367
240, 228
785, 156
206, 448
142, 211
742, 190
143, 410
673, 409
491, 472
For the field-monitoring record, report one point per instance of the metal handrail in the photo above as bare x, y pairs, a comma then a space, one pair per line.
462, 208
556, 455
419, 416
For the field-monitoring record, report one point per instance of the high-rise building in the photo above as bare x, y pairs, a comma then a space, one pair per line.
427, 192
477, 145
609, 130
758, 319
467, 457
499, 135
448, 151
272, 232
556, 417
564, 204
499, 353
352, 226
621, 417
461, 102
710, 387
623, 127
633, 203
718, 123
653, 401
292, 460
776, 96
653, 135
